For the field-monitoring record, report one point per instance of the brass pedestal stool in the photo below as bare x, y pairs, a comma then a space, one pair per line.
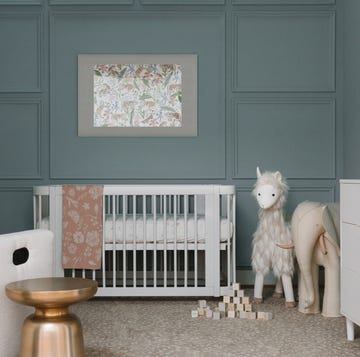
51, 331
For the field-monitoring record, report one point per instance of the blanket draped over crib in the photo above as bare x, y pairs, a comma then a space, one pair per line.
82, 226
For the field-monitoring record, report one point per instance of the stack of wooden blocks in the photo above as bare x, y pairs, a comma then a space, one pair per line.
234, 305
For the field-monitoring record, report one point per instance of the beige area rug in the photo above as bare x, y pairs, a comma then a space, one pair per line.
164, 327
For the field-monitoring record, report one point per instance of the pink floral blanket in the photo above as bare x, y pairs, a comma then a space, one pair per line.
82, 226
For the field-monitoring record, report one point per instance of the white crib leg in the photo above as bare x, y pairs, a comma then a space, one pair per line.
258, 288
350, 330
288, 291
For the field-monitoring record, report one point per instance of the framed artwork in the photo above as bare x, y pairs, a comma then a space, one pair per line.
137, 95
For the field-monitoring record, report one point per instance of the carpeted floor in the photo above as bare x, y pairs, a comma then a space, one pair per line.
164, 327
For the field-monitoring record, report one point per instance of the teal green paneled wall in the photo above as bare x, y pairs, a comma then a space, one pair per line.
351, 89
269, 95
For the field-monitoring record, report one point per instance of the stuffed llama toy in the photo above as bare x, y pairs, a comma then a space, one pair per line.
270, 191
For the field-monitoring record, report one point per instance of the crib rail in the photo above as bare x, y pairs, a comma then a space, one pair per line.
176, 240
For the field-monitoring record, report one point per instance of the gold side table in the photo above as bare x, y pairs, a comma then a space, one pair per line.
51, 331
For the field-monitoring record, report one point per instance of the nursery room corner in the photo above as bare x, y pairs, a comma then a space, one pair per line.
179, 178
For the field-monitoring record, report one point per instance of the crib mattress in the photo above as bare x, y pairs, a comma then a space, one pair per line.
137, 225
151, 230
155, 228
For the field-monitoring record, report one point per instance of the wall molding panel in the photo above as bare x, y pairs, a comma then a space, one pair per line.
201, 157
91, 2
283, 2
26, 50
283, 55
21, 2
20, 157
258, 138
15, 209
182, 2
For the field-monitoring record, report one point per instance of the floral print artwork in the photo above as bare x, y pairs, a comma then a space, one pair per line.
137, 95
82, 226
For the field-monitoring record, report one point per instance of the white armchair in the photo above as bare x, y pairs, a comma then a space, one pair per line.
23, 255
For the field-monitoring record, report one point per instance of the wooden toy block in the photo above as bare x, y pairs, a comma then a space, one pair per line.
240, 293
194, 313
202, 303
261, 315
201, 311
231, 314
231, 307
240, 307
232, 293
236, 286
222, 306
227, 299
251, 315
242, 314
216, 315
248, 307
236, 300
209, 313
245, 300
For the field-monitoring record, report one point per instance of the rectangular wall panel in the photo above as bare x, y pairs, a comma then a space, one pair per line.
282, 2
21, 2
182, 2
247, 214
293, 135
16, 209
20, 123
283, 51
20, 58
202, 156
91, 2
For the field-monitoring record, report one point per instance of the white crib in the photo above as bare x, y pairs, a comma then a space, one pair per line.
158, 240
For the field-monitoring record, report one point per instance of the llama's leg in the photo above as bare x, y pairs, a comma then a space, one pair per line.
258, 289
288, 291
331, 301
315, 307
278, 293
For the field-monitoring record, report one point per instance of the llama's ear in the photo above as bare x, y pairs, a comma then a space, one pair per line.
277, 175
258, 173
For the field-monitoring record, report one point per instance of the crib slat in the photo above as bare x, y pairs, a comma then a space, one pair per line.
196, 241
114, 199
165, 245
175, 241
124, 198
154, 239
185, 240
34, 211
40, 210
103, 250
145, 237
134, 240
233, 197
228, 240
